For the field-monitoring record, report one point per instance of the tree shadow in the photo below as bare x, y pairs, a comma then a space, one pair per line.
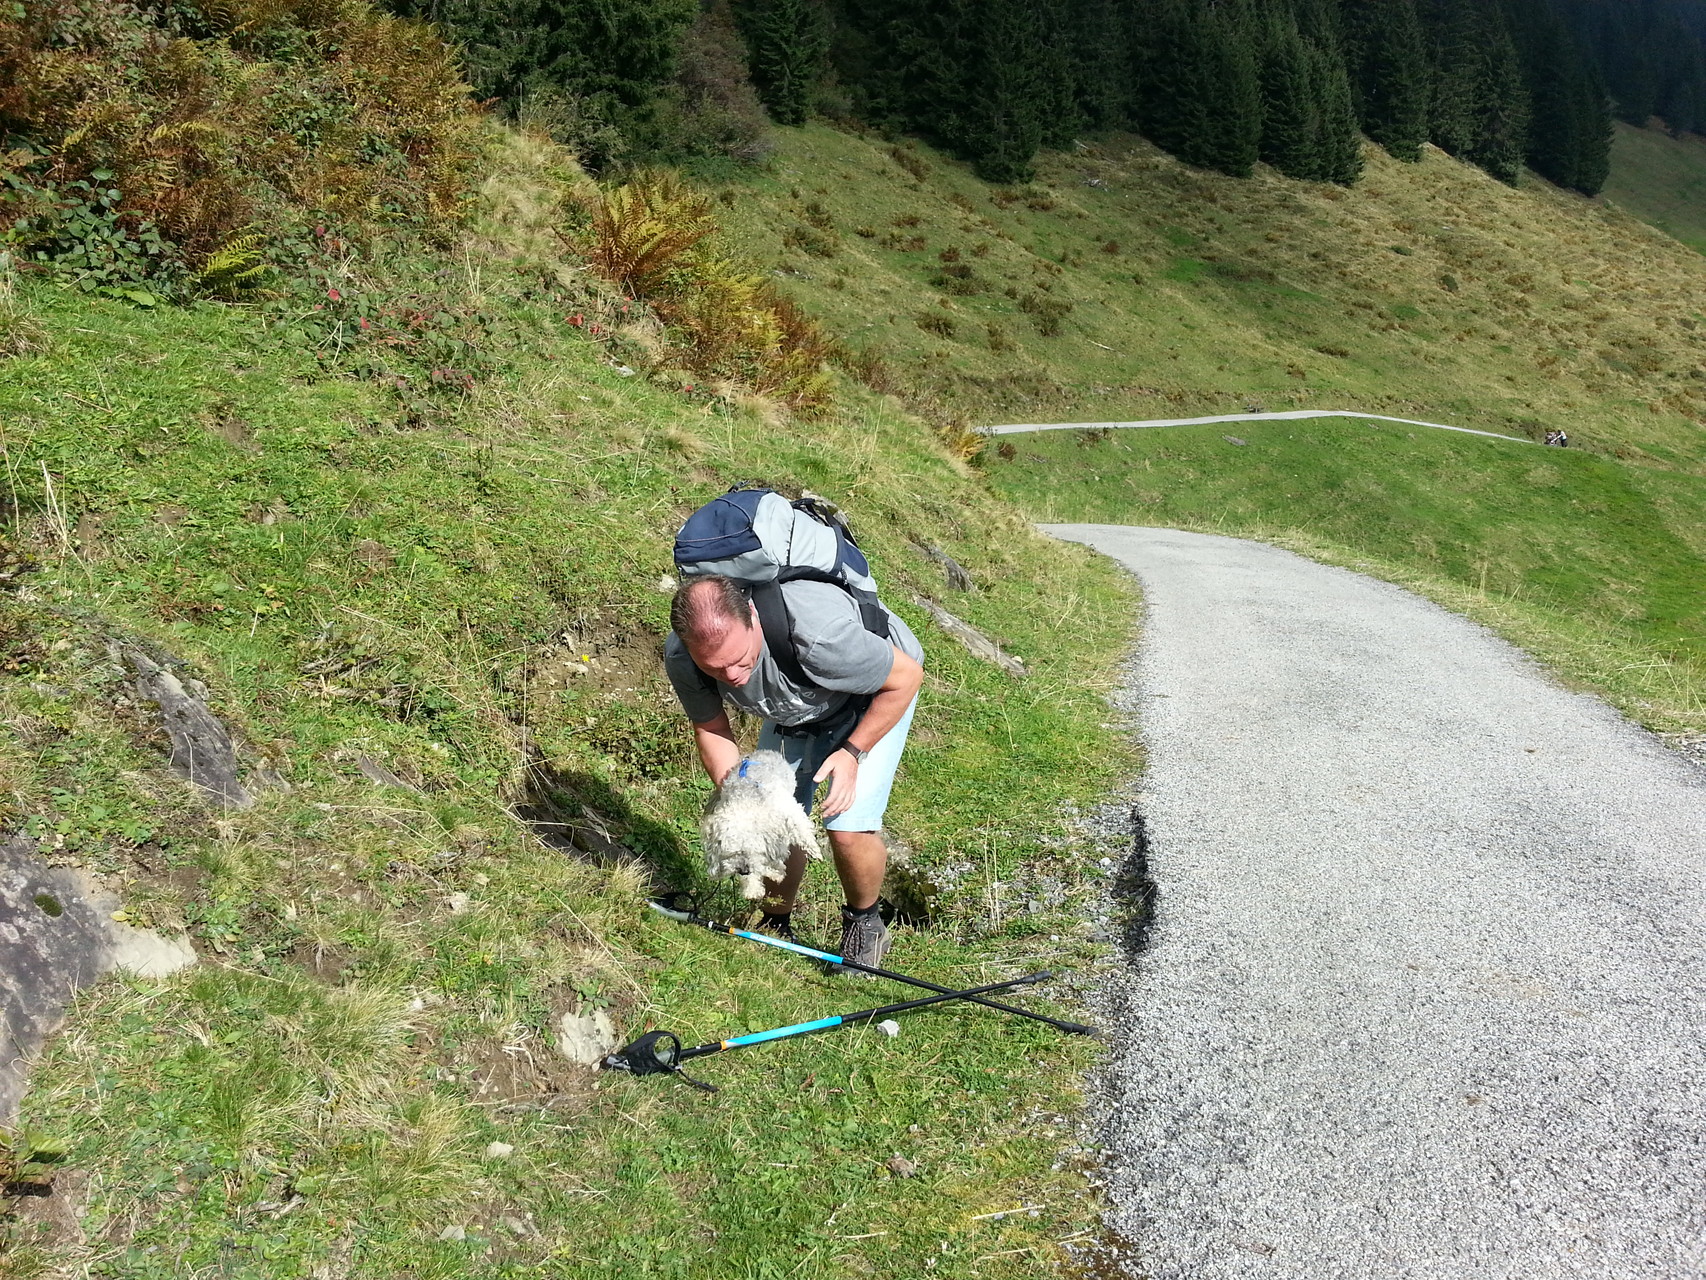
586, 817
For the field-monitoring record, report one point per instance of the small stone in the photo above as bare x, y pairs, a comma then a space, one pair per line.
453, 1233
901, 1167
889, 1027
586, 1038
499, 1150
666, 585
458, 903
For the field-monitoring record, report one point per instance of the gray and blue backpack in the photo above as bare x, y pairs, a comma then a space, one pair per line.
760, 538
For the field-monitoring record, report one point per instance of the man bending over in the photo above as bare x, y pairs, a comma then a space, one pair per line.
847, 725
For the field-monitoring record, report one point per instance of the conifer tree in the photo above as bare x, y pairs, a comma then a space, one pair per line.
1098, 53
1388, 66
1480, 108
1291, 110
1501, 127
1004, 91
1341, 139
1593, 133
613, 55
1570, 120
1457, 78
1199, 90
787, 41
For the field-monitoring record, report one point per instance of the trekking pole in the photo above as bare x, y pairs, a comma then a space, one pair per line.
688, 917
661, 1052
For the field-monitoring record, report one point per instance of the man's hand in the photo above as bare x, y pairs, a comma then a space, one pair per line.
842, 770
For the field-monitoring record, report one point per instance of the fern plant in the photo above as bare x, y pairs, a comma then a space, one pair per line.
238, 269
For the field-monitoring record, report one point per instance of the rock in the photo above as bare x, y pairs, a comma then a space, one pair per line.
269, 779
1234, 440
458, 903
665, 585
148, 954
958, 578
889, 1027
202, 750
378, 774
499, 1150
976, 643
57, 933
587, 1038
453, 1232
900, 1166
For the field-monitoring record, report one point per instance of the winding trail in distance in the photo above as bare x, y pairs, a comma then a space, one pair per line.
1425, 994
1290, 415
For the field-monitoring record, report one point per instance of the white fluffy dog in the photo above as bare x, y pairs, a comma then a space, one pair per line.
753, 820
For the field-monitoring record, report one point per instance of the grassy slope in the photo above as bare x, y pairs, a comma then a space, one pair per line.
1661, 180
1219, 293
321, 1091
1427, 290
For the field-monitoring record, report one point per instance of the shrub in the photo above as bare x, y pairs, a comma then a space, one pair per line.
711, 110
810, 240
653, 236
154, 136
1046, 313
643, 230
957, 278
911, 161
937, 323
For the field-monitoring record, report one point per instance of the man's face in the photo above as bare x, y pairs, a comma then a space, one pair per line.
731, 654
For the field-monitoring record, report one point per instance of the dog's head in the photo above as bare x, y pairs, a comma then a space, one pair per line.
768, 771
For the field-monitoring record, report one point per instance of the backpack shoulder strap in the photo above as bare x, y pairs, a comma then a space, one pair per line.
778, 628
778, 631
872, 615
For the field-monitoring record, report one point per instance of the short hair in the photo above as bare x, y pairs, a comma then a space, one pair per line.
705, 606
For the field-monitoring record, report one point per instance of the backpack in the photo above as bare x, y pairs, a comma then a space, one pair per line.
760, 538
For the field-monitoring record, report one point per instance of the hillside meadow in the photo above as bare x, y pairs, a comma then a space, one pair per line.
453, 584
1122, 285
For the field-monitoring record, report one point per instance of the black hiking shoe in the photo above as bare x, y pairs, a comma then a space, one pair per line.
778, 924
864, 939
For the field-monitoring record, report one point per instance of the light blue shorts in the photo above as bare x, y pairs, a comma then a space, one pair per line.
876, 773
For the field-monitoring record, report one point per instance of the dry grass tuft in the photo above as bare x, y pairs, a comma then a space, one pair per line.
654, 237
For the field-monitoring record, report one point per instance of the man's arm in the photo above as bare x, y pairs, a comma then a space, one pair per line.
888, 705
718, 749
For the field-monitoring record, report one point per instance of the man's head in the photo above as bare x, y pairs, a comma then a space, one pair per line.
715, 619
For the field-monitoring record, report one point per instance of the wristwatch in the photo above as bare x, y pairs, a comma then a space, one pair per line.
858, 755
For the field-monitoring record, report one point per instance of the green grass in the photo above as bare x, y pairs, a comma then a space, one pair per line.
1595, 565
464, 588
1661, 180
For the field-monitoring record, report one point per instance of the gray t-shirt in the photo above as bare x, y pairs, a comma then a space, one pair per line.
839, 656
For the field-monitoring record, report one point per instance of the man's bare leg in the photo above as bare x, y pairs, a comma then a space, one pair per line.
861, 858
779, 894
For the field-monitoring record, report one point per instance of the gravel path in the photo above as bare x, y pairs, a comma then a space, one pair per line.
1290, 415
1426, 991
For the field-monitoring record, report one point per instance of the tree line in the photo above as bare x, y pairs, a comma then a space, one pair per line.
1222, 84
